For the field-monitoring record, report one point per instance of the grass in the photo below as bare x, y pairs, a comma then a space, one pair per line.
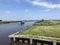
43, 29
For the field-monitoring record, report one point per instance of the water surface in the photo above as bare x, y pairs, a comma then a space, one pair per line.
7, 29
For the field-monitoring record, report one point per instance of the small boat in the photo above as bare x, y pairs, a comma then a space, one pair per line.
21, 22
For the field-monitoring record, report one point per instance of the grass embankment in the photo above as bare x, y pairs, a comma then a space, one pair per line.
43, 28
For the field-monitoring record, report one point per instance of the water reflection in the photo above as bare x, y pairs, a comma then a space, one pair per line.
18, 43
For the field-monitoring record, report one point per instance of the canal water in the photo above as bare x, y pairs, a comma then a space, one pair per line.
7, 29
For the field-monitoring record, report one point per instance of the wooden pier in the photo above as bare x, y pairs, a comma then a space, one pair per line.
35, 40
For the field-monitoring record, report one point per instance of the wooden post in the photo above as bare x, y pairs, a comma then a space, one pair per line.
14, 39
30, 41
54, 42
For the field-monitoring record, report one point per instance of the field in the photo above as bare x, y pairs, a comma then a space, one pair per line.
46, 28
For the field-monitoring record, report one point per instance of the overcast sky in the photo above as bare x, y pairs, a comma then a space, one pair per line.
29, 9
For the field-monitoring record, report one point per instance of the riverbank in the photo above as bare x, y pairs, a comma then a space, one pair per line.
47, 30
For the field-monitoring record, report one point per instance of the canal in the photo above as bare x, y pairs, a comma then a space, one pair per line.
7, 29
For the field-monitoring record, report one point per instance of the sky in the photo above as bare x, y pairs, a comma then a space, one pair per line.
29, 9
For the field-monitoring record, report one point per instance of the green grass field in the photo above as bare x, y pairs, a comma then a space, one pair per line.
45, 28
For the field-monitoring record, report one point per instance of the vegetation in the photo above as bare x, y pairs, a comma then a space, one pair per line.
4, 22
47, 22
0, 20
28, 20
49, 28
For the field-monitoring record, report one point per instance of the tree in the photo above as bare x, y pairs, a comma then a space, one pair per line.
0, 20
42, 20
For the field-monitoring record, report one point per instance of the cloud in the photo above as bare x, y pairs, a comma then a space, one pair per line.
44, 4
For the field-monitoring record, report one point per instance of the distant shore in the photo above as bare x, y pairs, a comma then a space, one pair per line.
5, 22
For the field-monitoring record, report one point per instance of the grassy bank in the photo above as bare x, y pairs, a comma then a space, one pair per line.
47, 28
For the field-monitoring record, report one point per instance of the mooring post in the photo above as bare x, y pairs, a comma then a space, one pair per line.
54, 42
14, 39
30, 41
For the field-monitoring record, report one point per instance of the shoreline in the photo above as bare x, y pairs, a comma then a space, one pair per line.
32, 38
6, 22
40, 31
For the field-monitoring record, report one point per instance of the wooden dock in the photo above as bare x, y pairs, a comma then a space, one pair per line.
36, 40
